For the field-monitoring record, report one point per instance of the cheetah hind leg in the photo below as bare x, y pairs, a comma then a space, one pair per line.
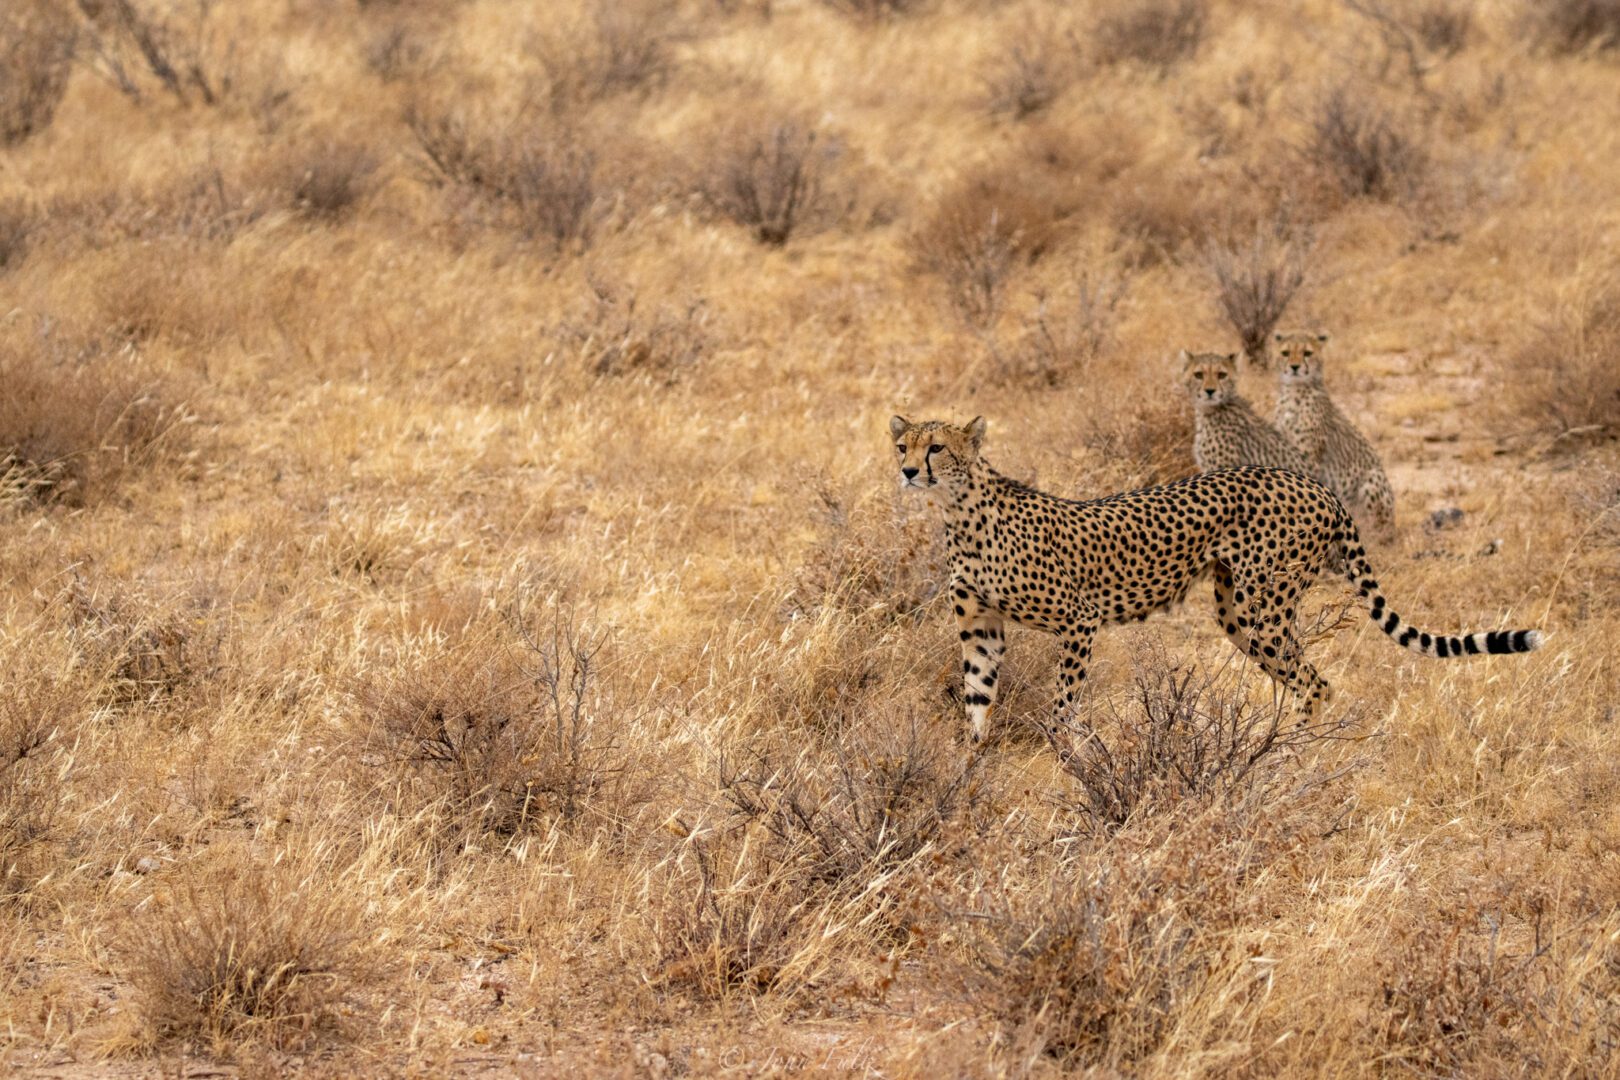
1075, 639
1264, 627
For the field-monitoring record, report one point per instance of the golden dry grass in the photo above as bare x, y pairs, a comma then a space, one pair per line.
458, 617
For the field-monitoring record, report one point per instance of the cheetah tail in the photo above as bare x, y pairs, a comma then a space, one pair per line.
1404, 634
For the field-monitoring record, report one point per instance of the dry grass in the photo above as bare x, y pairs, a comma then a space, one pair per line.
246, 953
541, 180
459, 618
1572, 383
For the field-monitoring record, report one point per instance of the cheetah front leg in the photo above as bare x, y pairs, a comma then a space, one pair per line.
983, 636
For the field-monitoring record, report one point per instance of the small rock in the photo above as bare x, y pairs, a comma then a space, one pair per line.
1492, 548
1445, 518
146, 865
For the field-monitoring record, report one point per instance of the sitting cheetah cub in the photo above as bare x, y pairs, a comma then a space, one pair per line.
1339, 455
1228, 432
1024, 557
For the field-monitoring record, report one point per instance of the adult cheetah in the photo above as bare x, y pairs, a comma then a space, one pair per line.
1065, 566
1226, 430
1339, 455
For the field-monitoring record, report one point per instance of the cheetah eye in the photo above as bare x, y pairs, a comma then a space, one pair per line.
935, 448
1220, 374
900, 446
1307, 352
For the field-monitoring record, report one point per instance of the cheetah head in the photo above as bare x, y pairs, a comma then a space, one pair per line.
1300, 357
934, 452
1210, 378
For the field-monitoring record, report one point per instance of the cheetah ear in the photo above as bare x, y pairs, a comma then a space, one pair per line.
975, 431
1231, 357
1184, 357
1277, 336
898, 425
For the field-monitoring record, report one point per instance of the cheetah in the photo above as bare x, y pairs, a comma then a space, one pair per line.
1227, 430
1021, 556
1339, 455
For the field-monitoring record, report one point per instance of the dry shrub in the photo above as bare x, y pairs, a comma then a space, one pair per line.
729, 917
1029, 74
871, 556
1061, 340
543, 181
247, 952
1155, 220
504, 728
1507, 978
775, 173
1140, 440
1364, 149
1569, 27
398, 52
36, 57
621, 47
1256, 281
877, 794
805, 871
1444, 27
1417, 38
874, 10
1092, 968
1185, 735
17, 224
141, 649
77, 418
328, 180
613, 332
979, 234
208, 203
1443, 987
1154, 33
134, 45
1568, 373
1016, 209
36, 712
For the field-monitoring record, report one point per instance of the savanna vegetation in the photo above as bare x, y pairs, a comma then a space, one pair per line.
458, 616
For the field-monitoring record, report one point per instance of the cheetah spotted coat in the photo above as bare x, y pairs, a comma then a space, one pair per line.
1024, 557
1339, 455
1227, 432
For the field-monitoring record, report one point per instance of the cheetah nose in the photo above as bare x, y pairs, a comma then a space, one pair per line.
909, 473
1294, 368
1209, 391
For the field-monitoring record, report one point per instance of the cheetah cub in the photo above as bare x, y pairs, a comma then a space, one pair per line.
1022, 557
1339, 455
1228, 432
